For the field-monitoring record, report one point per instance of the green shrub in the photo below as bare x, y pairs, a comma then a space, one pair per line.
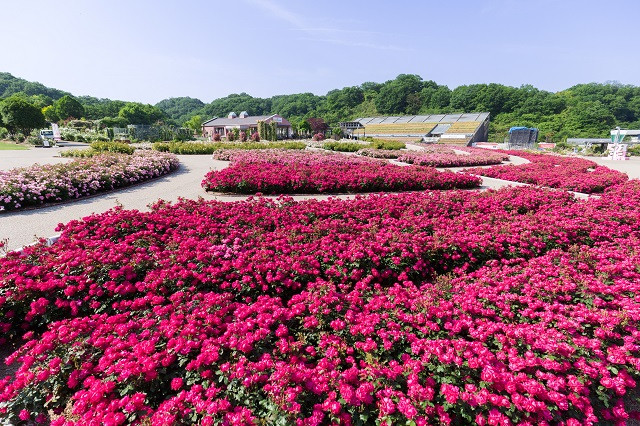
634, 150
385, 143
562, 147
100, 138
34, 140
3, 133
118, 147
345, 146
79, 153
161, 146
389, 145
596, 150
17, 137
194, 148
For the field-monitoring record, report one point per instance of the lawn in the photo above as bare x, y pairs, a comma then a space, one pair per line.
6, 146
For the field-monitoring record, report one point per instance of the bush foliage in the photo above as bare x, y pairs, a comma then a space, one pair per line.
194, 148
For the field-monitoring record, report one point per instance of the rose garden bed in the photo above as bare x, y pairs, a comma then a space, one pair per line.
511, 306
41, 184
276, 172
554, 171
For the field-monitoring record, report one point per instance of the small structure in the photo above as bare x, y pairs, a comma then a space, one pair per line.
244, 122
348, 127
522, 137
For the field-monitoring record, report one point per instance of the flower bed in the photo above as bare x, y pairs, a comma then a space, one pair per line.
37, 185
436, 156
573, 174
290, 173
519, 305
380, 153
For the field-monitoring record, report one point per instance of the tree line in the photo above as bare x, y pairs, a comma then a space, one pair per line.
584, 110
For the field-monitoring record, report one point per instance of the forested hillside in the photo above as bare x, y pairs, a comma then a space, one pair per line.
586, 110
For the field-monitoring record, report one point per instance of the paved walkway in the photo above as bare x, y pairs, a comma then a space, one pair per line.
11, 159
24, 227
631, 166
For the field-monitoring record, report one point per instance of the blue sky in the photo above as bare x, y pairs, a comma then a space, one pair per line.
142, 50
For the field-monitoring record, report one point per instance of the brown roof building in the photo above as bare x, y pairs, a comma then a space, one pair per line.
244, 122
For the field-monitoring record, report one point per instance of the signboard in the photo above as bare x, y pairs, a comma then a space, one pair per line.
617, 151
56, 132
277, 119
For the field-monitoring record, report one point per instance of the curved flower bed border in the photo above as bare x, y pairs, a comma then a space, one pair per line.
446, 159
511, 306
554, 171
310, 173
40, 185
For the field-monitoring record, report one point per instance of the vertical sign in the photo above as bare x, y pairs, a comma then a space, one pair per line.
56, 132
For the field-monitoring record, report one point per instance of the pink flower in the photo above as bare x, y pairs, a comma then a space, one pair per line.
176, 383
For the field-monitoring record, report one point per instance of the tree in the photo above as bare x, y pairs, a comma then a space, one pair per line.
414, 103
136, 113
96, 109
41, 101
304, 127
69, 107
440, 98
463, 98
50, 114
589, 118
112, 122
317, 125
392, 98
179, 109
493, 98
348, 97
18, 114
194, 123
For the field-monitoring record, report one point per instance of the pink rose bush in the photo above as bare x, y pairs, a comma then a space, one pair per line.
446, 156
573, 174
517, 306
37, 185
278, 172
380, 153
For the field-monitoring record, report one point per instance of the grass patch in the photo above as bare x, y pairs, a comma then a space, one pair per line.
10, 146
385, 144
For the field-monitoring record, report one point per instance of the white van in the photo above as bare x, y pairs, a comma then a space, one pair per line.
46, 136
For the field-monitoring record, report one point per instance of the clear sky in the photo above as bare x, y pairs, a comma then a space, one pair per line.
144, 50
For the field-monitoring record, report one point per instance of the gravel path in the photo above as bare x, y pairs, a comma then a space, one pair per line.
12, 159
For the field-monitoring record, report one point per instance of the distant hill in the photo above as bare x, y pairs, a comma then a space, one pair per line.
10, 85
584, 110
180, 109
